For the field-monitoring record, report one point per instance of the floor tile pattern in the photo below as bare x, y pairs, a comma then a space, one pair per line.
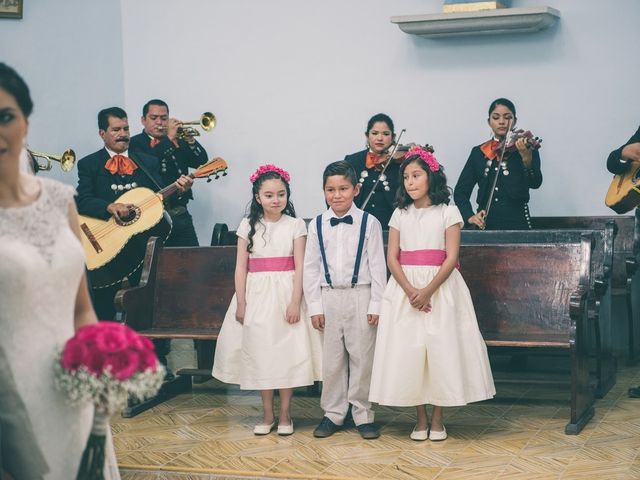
518, 435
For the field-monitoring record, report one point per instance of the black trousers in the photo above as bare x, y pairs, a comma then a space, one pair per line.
183, 233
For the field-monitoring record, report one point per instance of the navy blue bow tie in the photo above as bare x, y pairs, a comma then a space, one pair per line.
346, 219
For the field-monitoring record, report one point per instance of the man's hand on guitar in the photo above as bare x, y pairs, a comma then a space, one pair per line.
631, 152
184, 183
120, 210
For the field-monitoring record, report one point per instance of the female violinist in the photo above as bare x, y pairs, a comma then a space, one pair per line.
368, 165
517, 166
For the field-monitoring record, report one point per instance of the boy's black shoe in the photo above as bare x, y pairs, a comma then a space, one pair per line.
326, 428
634, 392
368, 431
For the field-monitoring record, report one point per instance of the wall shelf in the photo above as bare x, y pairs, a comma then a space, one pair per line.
484, 22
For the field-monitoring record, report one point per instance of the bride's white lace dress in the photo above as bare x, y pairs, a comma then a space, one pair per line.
41, 263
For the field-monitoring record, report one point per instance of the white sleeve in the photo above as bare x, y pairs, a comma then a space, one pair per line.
243, 229
312, 272
452, 216
377, 265
299, 228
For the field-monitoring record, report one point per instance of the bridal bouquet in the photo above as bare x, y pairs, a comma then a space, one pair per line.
107, 364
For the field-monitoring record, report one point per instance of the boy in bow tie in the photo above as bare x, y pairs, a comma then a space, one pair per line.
344, 278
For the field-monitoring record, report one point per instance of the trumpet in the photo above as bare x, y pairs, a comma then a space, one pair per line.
207, 122
67, 160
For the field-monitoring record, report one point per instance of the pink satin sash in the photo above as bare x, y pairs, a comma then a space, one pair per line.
433, 258
271, 264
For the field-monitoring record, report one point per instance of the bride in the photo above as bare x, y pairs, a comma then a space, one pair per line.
44, 298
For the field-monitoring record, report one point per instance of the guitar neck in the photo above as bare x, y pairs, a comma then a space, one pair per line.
166, 192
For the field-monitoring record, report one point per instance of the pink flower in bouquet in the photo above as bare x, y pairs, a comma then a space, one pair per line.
94, 361
74, 354
111, 340
123, 364
138, 342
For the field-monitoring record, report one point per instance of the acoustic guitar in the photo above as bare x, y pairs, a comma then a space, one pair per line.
115, 248
624, 191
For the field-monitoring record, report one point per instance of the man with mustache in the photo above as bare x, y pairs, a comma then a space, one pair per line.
161, 138
105, 175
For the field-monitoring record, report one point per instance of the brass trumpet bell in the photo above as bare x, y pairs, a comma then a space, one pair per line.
67, 160
207, 122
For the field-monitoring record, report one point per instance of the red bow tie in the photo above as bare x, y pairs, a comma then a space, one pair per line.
121, 165
374, 160
155, 141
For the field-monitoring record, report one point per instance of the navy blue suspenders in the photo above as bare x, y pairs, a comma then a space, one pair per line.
356, 267
327, 277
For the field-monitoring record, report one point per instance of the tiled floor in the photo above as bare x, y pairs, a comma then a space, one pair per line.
517, 435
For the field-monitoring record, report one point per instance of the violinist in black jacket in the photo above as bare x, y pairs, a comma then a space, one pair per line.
518, 172
368, 165
176, 155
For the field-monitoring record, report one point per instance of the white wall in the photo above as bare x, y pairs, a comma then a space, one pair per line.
70, 55
294, 82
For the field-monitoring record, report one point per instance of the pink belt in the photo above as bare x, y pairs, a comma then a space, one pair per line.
271, 264
433, 258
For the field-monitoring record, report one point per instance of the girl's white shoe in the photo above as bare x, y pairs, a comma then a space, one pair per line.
438, 436
286, 429
263, 429
419, 435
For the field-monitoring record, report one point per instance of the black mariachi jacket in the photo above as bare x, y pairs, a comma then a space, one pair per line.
173, 161
513, 187
382, 202
95, 183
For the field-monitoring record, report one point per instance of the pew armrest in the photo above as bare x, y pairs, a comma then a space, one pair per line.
137, 303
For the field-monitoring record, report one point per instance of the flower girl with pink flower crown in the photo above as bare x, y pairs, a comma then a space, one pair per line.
429, 349
267, 341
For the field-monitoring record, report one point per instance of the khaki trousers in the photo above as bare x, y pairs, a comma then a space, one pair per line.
347, 349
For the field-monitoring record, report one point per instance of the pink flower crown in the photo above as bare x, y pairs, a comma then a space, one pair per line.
269, 168
426, 156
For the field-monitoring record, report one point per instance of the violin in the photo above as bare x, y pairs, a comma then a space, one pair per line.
398, 153
508, 145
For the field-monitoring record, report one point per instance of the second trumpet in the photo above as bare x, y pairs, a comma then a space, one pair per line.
207, 122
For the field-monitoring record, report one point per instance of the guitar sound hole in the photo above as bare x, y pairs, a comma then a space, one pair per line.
134, 215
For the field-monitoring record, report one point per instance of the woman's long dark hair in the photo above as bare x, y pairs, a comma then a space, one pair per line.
438, 192
255, 209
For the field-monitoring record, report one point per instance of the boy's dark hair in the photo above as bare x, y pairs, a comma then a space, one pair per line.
255, 209
342, 168
438, 193
157, 102
103, 116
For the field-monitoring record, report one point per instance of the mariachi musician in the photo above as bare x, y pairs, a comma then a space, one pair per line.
517, 167
103, 177
166, 139
619, 160
369, 163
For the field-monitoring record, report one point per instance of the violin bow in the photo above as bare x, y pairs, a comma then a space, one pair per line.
495, 178
393, 151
